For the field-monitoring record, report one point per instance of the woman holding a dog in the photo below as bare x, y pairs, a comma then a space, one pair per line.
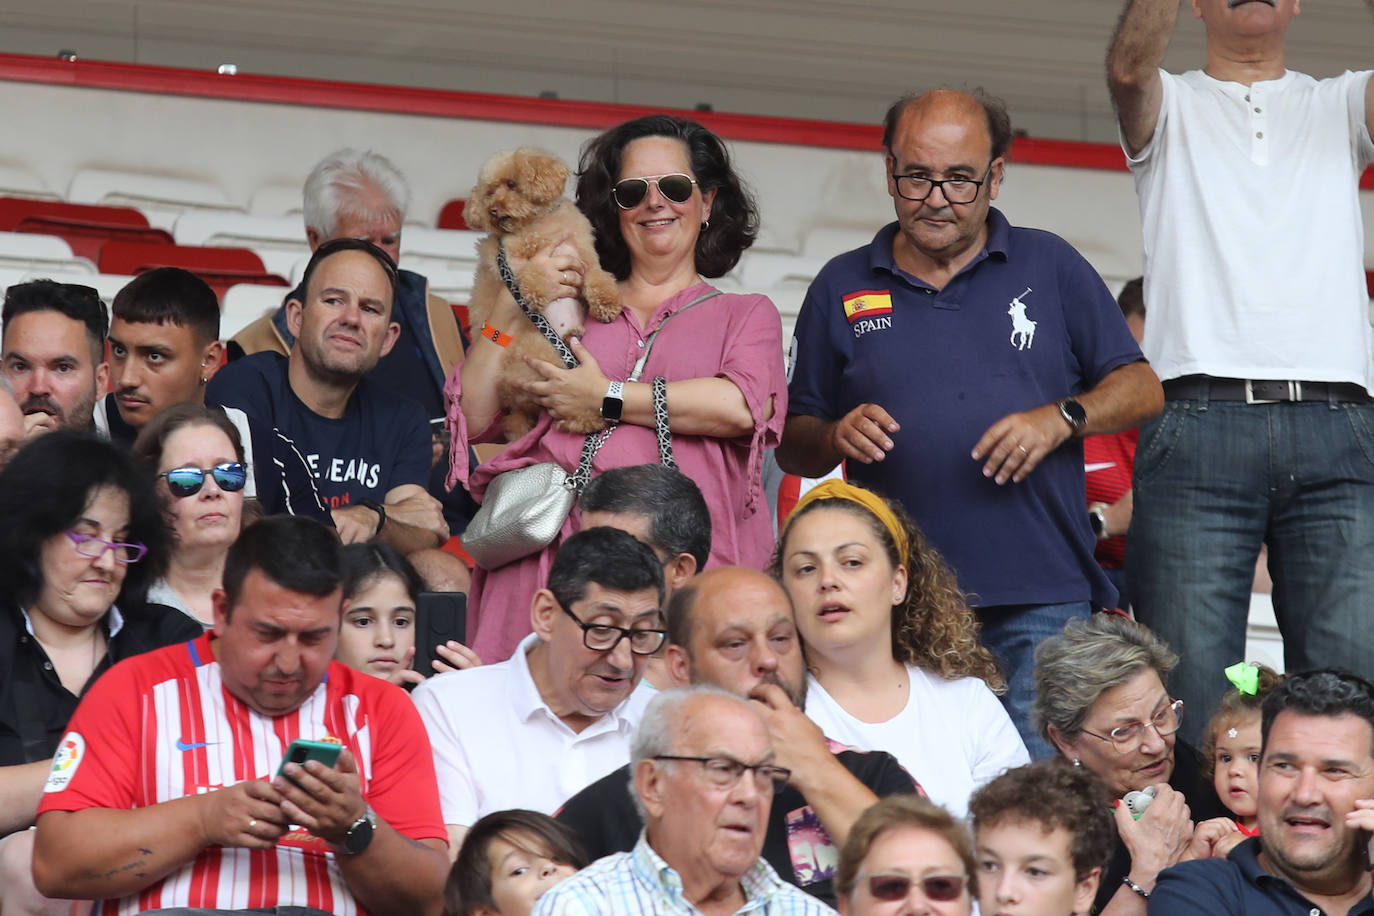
667, 210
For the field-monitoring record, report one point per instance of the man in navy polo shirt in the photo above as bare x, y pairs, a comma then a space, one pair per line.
956, 363
1316, 808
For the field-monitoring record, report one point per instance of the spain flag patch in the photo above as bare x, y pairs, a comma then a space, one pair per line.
867, 303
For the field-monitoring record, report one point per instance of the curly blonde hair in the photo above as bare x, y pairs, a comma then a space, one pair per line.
933, 628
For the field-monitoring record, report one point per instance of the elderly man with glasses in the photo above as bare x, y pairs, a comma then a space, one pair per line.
956, 363
704, 774
532, 730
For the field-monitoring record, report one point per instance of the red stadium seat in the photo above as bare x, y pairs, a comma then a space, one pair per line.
85, 227
219, 267
464, 319
451, 216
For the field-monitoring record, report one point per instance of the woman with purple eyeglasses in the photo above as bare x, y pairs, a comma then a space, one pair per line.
81, 534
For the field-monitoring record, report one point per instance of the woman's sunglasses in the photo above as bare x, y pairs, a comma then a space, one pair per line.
229, 477
940, 888
629, 193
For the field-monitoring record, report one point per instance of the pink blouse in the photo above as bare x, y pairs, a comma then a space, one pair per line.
732, 336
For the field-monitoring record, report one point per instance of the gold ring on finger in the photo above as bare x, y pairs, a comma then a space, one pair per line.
252, 822
1024, 450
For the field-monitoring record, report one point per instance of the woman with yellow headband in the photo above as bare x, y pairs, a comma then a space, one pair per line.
892, 648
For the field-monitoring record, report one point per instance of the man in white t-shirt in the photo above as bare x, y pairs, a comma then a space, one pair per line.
557, 715
1247, 175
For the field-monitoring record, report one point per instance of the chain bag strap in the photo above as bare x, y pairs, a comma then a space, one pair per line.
665, 438
540, 322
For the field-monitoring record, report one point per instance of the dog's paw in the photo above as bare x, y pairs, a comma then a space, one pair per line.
589, 422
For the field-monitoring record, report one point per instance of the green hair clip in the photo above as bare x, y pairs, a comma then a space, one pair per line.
1245, 676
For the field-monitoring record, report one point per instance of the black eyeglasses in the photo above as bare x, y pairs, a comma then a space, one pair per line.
940, 888
724, 772
956, 190
88, 545
601, 637
1164, 722
229, 477
629, 193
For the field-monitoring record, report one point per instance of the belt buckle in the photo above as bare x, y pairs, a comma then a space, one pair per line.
1294, 393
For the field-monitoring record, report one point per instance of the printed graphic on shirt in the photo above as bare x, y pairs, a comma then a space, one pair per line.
868, 310
70, 752
814, 856
1022, 328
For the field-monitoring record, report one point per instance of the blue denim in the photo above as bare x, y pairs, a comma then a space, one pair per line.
1013, 632
1214, 480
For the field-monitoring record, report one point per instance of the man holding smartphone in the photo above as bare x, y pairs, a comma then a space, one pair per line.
1316, 811
169, 788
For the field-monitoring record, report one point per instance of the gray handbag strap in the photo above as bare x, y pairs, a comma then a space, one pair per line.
540, 322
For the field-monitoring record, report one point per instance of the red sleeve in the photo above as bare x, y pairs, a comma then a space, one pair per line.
403, 789
96, 761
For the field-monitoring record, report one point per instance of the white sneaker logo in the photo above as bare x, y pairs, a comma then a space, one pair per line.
1022, 328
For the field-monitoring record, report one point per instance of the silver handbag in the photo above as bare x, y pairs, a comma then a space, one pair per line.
523, 510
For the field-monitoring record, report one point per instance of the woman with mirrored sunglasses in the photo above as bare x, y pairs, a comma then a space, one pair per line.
906, 855
668, 210
81, 538
196, 457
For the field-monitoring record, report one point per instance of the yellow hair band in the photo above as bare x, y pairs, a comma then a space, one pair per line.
840, 489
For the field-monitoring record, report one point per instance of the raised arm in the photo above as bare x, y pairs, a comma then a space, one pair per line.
1133, 59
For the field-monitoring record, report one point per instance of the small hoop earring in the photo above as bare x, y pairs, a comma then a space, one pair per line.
706, 224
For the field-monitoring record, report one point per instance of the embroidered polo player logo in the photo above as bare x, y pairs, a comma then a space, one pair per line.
1022, 328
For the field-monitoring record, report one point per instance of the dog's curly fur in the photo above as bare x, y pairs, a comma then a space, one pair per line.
519, 200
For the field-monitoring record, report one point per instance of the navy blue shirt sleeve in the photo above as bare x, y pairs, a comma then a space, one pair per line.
1100, 339
1198, 888
413, 456
818, 351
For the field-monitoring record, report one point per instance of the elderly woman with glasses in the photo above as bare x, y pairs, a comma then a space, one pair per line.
79, 530
1102, 700
668, 210
196, 456
906, 855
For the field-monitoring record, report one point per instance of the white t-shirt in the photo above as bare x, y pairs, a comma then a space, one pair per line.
1254, 244
952, 737
497, 744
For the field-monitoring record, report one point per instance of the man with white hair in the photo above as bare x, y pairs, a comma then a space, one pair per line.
704, 776
362, 195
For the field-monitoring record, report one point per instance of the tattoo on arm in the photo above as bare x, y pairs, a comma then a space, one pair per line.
105, 876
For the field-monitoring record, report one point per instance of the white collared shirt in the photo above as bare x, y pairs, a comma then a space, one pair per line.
498, 745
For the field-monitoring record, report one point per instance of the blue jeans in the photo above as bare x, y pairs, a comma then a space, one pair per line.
1012, 632
1214, 480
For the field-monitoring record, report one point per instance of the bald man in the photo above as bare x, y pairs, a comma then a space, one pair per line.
955, 363
733, 628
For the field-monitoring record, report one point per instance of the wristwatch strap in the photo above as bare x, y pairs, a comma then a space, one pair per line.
379, 509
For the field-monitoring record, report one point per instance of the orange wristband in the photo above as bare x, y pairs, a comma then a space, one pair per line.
497, 337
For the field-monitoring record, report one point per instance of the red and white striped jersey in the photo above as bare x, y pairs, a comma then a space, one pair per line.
161, 726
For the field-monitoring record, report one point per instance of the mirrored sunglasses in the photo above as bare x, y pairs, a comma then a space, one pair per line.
229, 477
940, 888
630, 192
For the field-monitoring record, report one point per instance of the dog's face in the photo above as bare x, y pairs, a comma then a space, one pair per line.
515, 188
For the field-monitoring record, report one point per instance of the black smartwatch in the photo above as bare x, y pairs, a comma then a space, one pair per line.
360, 833
1074, 415
613, 404
379, 509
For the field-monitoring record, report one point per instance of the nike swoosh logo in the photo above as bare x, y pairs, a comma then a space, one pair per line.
183, 746
1099, 466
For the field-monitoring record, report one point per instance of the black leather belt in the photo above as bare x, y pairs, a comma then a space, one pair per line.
1261, 391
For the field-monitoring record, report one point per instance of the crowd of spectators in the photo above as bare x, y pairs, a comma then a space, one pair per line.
920, 693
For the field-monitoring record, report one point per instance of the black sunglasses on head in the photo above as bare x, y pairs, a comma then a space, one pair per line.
629, 193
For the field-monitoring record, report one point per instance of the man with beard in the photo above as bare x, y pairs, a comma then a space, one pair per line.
530, 731
1316, 811
733, 628
54, 353
369, 449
